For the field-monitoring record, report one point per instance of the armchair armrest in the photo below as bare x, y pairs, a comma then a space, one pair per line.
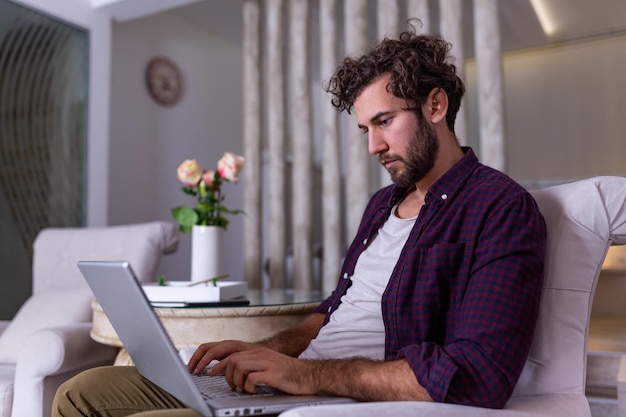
68, 350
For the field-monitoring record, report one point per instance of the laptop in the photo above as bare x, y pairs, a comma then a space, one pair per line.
123, 301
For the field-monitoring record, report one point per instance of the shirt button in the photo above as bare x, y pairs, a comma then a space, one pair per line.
444, 196
365, 241
345, 275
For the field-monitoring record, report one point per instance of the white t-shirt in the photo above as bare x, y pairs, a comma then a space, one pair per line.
356, 328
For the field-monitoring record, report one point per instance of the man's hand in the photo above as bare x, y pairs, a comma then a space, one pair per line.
248, 369
207, 352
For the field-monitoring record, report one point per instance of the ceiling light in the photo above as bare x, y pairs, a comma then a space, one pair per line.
541, 10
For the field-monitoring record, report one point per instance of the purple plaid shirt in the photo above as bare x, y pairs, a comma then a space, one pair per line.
462, 301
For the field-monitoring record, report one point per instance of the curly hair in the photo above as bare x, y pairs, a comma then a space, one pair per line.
417, 64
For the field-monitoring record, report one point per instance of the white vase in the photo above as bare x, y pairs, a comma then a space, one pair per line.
206, 252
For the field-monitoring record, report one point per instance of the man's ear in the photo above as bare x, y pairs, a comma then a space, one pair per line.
436, 106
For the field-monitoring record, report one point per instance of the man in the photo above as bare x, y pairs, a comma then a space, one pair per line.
439, 291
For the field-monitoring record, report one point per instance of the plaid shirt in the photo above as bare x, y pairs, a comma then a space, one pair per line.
462, 301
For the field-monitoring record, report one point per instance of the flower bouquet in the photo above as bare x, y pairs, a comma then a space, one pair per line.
206, 186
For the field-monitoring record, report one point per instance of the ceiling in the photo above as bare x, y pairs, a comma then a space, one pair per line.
523, 23
527, 23
575, 18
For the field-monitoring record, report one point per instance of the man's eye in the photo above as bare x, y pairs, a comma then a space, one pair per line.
384, 122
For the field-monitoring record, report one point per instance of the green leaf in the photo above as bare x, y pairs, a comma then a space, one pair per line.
185, 229
186, 218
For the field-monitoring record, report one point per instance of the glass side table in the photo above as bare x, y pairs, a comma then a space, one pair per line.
269, 312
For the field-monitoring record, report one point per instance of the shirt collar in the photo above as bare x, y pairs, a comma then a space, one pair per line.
448, 184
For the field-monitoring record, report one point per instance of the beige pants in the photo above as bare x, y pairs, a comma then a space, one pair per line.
115, 391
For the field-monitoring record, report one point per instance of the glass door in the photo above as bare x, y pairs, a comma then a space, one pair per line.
43, 111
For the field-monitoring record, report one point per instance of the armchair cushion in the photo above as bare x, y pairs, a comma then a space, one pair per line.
45, 309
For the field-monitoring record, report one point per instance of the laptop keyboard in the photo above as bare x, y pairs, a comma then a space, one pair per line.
214, 387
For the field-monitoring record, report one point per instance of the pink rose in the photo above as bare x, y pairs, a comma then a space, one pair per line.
189, 172
230, 166
208, 176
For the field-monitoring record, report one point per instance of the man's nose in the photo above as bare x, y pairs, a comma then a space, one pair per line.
375, 143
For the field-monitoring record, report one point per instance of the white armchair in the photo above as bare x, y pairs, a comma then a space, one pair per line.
583, 219
48, 340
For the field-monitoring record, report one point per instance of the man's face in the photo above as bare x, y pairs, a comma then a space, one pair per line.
405, 143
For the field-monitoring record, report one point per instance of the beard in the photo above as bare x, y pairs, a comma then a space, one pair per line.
420, 156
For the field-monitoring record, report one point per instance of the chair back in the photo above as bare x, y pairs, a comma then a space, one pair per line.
583, 219
57, 250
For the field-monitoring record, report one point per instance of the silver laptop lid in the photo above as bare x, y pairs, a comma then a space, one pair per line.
148, 344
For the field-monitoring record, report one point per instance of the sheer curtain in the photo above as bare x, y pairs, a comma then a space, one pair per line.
308, 174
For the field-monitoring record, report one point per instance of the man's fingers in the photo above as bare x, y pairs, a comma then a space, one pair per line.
248, 369
218, 368
237, 369
198, 356
255, 379
208, 352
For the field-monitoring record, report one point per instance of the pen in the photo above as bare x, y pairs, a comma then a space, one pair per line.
214, 279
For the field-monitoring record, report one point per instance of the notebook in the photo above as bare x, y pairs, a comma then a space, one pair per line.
123, 301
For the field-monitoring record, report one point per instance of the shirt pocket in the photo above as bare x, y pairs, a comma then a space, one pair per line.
443, 265
446, 256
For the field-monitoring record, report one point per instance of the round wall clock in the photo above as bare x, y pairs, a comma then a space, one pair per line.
164, 81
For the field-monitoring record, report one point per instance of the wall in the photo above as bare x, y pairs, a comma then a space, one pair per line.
565, 108
149, 141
